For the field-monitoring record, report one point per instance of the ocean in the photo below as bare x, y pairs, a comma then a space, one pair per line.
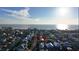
37, 26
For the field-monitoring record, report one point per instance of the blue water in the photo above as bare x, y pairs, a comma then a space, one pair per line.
46, 27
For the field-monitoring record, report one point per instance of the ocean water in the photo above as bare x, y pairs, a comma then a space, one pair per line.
31, 26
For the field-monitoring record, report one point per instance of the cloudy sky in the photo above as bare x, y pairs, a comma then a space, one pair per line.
39, 15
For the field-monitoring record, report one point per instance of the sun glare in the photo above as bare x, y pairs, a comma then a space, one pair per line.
63, 11
62, 26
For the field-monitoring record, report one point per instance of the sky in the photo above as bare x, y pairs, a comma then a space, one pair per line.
39, 15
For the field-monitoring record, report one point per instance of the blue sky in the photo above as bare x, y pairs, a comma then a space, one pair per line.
39, 15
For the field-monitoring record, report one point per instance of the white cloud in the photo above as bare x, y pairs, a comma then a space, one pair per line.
37, 20
20, 13
21, 17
